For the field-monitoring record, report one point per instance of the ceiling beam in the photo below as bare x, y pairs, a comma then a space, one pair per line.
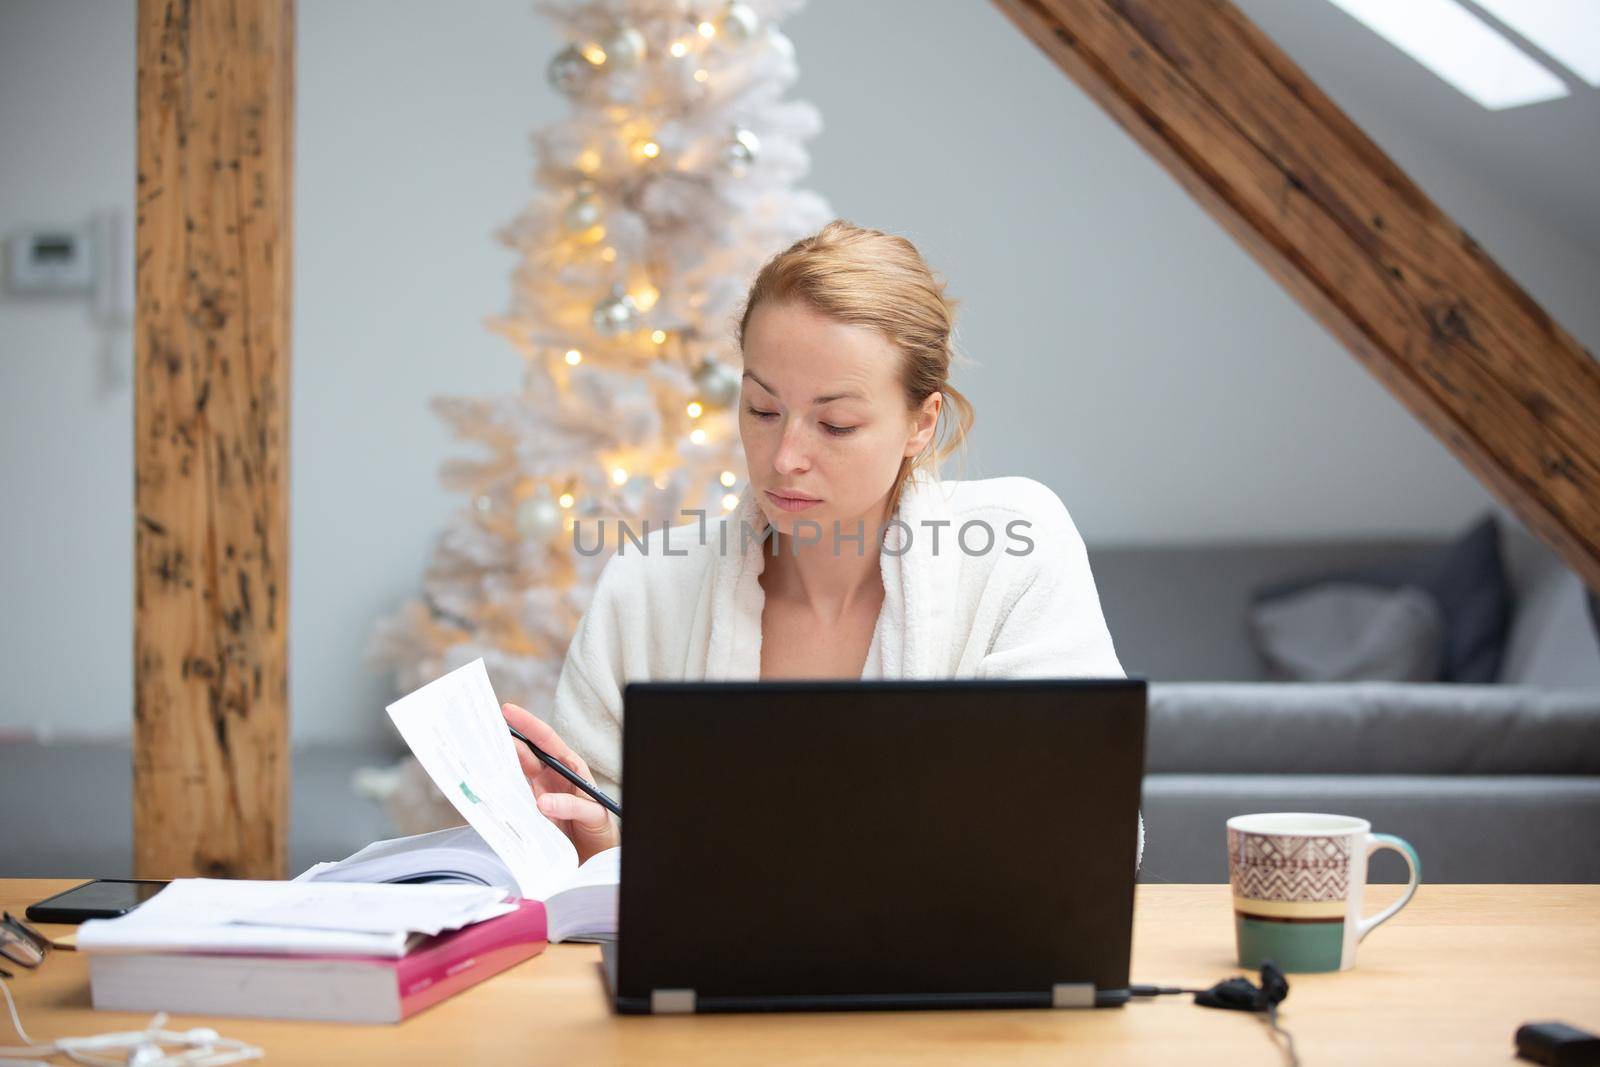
1512, 395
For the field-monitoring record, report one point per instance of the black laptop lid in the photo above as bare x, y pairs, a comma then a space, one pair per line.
826, 840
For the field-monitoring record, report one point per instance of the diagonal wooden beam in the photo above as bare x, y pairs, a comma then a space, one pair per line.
211, 428
1327, 213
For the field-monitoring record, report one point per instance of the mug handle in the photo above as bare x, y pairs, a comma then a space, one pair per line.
1376, 843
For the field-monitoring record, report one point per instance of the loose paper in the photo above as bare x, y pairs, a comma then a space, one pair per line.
455, 729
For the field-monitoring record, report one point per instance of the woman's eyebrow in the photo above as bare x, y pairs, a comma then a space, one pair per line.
815, 400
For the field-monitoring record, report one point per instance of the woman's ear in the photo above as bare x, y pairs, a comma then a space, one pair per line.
923, 422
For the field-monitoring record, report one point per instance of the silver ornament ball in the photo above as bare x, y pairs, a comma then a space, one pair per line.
624, 49
739, 23
718, 383
742, 149
617, 314
569, 72
539, 519
583, 212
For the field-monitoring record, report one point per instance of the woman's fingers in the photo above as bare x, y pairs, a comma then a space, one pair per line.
583, 813
527, 760
588, 824
542, 734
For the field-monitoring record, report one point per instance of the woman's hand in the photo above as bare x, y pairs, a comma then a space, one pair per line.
581, 819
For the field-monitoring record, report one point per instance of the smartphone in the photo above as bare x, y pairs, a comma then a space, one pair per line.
103, 898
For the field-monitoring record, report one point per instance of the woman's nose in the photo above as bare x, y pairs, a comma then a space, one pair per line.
791, 454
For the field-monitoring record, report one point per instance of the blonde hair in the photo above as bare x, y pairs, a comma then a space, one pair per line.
870, 278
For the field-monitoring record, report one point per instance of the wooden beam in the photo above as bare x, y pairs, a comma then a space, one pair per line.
1349, 235
211, 427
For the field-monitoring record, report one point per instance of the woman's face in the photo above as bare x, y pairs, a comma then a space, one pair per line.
822, 415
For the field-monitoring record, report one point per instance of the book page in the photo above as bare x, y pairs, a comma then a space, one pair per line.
457, 853
228, 915
603, 868
454, 728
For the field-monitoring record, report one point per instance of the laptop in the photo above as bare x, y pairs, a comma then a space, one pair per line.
828, 845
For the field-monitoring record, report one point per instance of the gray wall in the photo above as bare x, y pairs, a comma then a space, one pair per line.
1129, 354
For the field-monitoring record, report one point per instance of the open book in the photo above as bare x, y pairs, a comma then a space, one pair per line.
454, 728
584, 908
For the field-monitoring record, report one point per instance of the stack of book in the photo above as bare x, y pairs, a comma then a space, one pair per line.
331, 987
385, 933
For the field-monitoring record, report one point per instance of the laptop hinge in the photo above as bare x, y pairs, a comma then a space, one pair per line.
681, 1001
1072, 995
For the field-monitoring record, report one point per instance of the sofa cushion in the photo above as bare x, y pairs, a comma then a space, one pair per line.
1553, 641
1466, 828
1467, 579
1340, 632
1371, 728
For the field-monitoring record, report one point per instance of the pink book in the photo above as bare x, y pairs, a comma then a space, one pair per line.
350, 989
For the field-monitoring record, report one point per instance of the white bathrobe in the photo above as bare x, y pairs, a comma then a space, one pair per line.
685, 610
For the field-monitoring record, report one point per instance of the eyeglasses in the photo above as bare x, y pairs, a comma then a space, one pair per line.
21, 943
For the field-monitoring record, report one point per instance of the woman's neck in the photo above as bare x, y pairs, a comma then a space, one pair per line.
825, 578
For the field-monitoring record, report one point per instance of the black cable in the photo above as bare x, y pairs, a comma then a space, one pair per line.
1289, 1055
1240, 994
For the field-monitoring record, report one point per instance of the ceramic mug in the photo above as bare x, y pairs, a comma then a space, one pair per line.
1298, 881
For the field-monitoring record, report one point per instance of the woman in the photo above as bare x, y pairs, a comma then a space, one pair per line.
846, 343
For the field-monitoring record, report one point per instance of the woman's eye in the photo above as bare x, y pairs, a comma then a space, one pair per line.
838, 431
762, 414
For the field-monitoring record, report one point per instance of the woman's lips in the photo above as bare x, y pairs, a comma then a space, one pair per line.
790, 503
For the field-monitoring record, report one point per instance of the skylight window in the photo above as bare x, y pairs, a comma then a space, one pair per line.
1460, 48
1567, 30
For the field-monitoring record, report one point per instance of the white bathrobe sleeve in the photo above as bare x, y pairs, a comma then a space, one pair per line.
587, 711
1054, 627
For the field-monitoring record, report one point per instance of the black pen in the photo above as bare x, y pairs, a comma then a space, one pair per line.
561, 768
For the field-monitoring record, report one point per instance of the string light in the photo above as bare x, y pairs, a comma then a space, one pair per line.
574, 357
619, 476
679, 49
695, 409
594, 54
589, 161
646, 297
701, 75
707, 30
729, 502
658, 336
649, 150
698, 437
566, 500
727, 479
608, 254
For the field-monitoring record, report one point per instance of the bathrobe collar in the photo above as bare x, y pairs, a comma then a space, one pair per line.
914, 632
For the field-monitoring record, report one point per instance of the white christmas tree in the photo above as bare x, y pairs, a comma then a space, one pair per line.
658, 198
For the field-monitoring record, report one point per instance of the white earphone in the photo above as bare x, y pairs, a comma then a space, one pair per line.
200, 1047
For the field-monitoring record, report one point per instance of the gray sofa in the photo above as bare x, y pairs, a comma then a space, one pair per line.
1491, 783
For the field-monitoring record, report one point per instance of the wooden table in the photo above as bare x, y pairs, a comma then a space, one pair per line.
1446, 981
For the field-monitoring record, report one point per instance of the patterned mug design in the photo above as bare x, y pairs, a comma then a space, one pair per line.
1287, 867
1298, 880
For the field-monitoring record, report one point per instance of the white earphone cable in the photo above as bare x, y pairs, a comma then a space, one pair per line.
203, 1047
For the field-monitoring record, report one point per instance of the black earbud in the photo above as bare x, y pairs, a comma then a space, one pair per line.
1240, 994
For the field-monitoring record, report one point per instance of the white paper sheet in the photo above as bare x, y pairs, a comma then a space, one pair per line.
290, 918
454, 728
379, 908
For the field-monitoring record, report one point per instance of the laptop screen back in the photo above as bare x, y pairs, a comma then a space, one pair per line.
860, 839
